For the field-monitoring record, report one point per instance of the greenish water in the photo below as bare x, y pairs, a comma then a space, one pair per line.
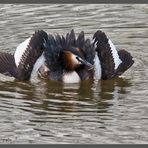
112, 111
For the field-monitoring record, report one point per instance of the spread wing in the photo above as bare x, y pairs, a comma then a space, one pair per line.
32, 49
105, 55
113, 62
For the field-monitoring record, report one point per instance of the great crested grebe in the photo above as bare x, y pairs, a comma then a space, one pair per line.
27, 58
109, 62
68, 59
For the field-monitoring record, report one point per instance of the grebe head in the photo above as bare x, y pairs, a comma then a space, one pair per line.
72, 59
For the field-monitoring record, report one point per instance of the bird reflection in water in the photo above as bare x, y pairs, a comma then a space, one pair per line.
56, 97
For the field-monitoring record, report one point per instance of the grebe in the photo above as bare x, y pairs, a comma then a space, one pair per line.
27, 58
109, 62
68, 59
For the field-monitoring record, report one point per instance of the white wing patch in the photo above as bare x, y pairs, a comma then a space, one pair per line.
93, 42
40, 61
97, 66
20, 51
71, 77
116, 58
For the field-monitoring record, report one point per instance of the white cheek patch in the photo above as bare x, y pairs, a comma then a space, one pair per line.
20, 50
75, 61
116, 58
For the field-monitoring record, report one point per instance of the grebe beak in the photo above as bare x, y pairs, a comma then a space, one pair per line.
84, 62
87, 64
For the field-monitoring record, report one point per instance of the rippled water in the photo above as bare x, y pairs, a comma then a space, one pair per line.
112, 111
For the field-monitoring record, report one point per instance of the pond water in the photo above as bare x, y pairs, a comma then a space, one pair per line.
111, 111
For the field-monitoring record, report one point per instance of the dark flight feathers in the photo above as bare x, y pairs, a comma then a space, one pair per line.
104, 52
7, 64
33, 51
